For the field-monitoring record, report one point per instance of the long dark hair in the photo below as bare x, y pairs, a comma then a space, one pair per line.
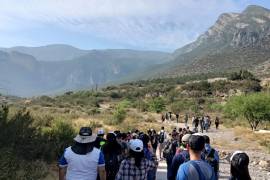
239, 167
138, 156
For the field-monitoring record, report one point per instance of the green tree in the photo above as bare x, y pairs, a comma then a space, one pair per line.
157, 104
254, 108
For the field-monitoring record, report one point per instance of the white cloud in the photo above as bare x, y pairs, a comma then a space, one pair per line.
156, 24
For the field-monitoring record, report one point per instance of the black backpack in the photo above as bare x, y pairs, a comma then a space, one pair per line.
168, 152
212, 161
161, 137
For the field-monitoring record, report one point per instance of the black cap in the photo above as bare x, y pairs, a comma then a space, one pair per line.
196, 142
85, 131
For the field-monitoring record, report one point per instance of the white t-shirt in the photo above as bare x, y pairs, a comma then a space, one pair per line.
82, 167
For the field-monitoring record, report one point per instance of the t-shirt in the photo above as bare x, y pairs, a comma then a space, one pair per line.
188, 172
83, 167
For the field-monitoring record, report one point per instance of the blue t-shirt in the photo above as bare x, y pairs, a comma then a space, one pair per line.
188, 171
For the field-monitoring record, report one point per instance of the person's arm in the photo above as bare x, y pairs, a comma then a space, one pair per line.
62, 173
62, 164
101, 166
102, 172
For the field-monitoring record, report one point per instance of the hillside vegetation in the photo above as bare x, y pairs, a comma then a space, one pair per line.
52, 122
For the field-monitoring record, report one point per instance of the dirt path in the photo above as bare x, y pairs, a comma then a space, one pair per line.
226, 142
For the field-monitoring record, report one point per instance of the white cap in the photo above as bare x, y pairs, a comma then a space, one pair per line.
186, 137
100, 132
236, 152
197, 134
136, 145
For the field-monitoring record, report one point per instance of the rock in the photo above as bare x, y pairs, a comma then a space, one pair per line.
264, 164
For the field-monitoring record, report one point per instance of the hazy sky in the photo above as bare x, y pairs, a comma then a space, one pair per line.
102, 24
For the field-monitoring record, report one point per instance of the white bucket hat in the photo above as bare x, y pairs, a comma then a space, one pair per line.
136, 145
85, 136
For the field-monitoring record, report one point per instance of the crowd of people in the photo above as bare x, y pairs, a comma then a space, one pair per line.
135, 155
202, 122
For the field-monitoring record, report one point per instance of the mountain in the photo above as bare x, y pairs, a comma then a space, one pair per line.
54, 52
24, 74
236, 40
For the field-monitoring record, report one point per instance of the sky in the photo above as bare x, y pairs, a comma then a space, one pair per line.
163, 25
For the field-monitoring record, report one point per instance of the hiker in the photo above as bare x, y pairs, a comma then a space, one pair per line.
201, 123
162, 138
162, 118
112, 151
181, 157
100, 141
153, 139
82, 160
169, 152
196, 168
170, 116
177, 117
186, 120
167, 116
206, 121
148, 154
136, 166
239, 166
217, 122
211, 155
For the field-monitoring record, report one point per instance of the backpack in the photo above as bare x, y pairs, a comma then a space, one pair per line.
161, 137
167, 152
212, 161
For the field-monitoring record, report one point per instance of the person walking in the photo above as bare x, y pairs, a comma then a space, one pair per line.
136, 166
211, 156
170, 151
181, 157
82, 160
186, 120
201, 123
239, 166
196, 168
162, 138
217, 122
113, 156
177, 117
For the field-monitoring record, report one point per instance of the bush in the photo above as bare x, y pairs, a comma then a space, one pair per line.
254, 108
157, 104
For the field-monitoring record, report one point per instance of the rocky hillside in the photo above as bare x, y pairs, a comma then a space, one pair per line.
236, 40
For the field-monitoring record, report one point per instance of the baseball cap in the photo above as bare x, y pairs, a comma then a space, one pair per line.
136, 145
186, 137
196, 142
100, 132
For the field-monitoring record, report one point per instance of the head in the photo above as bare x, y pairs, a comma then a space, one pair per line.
84, 141
207, 139
111, 138
239, 166
185, 140
196, 144
100, 133
136, 151
162, 128
145, 139
180, 130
